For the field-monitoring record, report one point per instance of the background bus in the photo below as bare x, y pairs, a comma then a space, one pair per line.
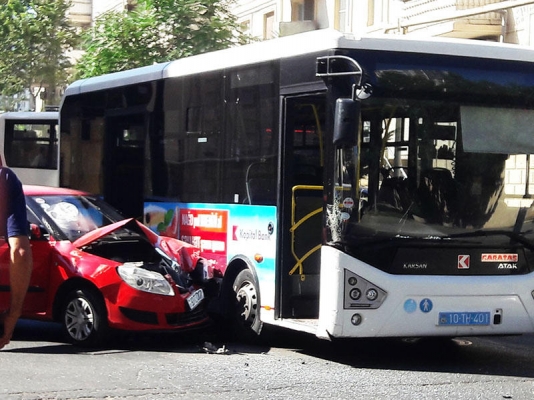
348, 188
29, 145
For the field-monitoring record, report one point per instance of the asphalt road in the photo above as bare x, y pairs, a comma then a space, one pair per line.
38, 364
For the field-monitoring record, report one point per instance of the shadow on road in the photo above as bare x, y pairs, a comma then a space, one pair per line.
52, 340
506, 356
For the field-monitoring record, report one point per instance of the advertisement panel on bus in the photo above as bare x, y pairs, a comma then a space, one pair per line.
223, 232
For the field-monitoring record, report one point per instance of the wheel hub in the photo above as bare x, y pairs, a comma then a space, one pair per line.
79, 319
246, 297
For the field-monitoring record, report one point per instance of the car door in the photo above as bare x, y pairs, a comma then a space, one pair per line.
4, 275
38, 296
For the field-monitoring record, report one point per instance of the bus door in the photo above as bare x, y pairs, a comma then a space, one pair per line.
123, 163
303, 205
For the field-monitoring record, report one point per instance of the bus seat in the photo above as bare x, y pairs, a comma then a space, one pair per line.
438, 195
393, 194
261, 191
260, 183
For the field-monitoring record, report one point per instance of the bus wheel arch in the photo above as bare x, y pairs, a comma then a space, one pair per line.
241, 300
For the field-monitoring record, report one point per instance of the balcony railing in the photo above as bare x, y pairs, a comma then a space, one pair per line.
81, 12
434, 8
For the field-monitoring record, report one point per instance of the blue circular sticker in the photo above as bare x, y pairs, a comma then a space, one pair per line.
410, 306
426, 305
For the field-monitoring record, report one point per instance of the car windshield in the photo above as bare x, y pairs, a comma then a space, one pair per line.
75, 216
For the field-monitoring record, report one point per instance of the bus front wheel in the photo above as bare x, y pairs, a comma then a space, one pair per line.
246, 318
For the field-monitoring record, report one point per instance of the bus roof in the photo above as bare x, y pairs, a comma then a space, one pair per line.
304, 43
30, 115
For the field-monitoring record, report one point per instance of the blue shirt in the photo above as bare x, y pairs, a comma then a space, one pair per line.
13, 219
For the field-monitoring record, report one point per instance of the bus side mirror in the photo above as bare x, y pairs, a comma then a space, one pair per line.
346, 122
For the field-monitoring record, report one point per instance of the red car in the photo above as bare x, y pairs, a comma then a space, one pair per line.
94, 270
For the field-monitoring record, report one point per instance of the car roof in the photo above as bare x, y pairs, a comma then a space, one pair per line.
35, 190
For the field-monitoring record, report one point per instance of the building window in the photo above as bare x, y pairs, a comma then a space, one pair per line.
377, 12
370, 12
245, 27
303, 10
344, 21
268, 25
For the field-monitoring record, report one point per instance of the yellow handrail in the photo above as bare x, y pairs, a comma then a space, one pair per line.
296, 224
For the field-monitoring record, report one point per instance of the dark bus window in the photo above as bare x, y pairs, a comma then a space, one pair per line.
31, 145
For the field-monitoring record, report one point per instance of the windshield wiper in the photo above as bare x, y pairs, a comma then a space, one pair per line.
514, 236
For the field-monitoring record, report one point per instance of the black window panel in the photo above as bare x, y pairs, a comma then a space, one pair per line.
251, 148
216, 126
31, 144
192, 137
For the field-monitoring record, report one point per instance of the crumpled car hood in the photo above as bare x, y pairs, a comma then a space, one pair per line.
92, 236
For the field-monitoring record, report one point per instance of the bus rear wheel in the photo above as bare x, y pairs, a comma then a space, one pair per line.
246, 318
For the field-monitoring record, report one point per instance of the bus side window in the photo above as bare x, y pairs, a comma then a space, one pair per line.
261, 183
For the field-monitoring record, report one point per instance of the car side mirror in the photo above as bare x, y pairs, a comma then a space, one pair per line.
35, 232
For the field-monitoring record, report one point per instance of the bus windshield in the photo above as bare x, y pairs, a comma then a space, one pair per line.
438, 163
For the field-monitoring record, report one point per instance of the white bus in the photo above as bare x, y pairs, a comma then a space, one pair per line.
29, 145
372, 187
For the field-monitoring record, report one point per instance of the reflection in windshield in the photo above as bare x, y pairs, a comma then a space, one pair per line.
497, 130
417, 178
73, 215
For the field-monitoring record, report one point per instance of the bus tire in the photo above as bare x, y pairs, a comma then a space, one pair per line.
84, 318
245, 311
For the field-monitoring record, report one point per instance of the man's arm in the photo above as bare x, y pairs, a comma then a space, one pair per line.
20, 271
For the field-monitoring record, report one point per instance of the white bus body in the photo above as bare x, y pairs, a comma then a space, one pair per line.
345, 187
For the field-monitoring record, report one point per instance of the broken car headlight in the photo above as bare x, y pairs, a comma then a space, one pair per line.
144, 280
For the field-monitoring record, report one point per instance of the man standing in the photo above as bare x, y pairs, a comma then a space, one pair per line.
14, 227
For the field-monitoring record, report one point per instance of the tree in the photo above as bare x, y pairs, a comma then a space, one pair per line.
157, 31
35, 38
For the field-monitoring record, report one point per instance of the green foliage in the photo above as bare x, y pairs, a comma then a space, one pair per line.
34, 39
157, 31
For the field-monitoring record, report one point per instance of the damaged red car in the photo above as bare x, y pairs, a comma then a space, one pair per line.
95, 271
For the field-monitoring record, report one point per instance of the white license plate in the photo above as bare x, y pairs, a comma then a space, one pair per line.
464, 318
195, 299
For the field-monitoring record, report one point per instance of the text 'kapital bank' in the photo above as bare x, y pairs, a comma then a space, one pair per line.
250, 234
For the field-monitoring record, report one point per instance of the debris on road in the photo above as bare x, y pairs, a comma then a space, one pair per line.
210, 348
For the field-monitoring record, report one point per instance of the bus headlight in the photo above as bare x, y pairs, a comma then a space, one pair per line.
356, 319
355, 294
371, 294
355, 286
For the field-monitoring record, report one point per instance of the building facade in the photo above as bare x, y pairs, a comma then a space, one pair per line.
508, 21
496, 20
83, 12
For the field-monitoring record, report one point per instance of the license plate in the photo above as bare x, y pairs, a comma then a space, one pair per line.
195, 299
464, 318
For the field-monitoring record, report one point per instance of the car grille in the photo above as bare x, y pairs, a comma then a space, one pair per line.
175, 319
187, 317
144, 317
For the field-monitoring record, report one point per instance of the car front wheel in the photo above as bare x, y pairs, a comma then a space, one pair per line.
84, 318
